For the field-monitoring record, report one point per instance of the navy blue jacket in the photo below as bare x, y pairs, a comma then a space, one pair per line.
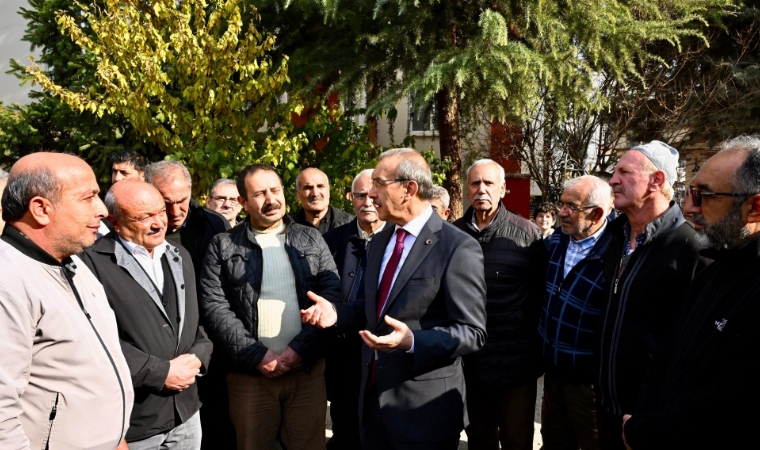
570, 311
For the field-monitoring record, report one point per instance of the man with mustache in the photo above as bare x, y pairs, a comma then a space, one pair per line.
150, 285
501, 378
253, 284
573, 301
707, 371
650, 263
313, 191
348, 244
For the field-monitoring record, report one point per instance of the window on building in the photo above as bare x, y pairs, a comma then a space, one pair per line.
422, 122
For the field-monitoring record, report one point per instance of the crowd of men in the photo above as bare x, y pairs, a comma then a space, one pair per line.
147, 321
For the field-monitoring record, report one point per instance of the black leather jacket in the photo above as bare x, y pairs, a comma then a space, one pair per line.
231, 282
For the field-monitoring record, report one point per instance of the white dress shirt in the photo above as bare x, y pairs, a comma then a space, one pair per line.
151, 264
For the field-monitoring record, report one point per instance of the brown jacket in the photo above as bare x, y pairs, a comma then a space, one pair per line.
64, 383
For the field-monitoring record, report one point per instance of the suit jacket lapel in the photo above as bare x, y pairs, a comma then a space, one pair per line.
372, 273
130, 264
422, 246
175, 266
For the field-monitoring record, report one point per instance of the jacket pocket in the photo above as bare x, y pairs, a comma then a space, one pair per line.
51, 421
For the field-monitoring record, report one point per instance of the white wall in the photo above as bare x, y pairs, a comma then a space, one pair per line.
12, 27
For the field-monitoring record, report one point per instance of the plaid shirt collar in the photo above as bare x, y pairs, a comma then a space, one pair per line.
577, 250
640, 238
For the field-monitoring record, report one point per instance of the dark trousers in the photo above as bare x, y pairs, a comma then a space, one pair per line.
343, 373
375, 436
568, 416
500, 416
218, 432
610, 430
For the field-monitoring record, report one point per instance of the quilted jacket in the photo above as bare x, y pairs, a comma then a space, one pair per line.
230, 284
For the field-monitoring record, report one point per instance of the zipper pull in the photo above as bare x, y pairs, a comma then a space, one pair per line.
616, 284
559, 288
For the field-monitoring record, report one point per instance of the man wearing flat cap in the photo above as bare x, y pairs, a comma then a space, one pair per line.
650, 262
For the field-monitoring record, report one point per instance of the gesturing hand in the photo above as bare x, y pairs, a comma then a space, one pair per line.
182, 372
271, 366
400, 338
322, 313
625, 419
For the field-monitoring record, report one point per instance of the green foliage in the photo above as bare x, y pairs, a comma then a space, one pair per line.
197, 85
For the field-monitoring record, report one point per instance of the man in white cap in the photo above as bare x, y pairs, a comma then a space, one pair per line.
650, 262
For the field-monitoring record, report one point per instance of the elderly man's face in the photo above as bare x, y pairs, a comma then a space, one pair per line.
75, 218
176, 192
363, 206
313, 191
576, 218
143, 216
265, 202
485, 187
441, 210
388, 195
718, 217
225, 200
630, 182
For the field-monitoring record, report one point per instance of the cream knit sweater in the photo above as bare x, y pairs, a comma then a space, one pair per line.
279, 318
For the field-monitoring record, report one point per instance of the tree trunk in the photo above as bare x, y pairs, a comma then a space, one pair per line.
447, 107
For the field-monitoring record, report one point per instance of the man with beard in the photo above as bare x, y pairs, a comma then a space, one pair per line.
501, 378
701, 391
348, 244
572, 304
650, 263
254, 282
64, 382
150, 286
313, 191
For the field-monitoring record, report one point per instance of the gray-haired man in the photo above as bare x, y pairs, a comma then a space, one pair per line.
223, 198
440, 202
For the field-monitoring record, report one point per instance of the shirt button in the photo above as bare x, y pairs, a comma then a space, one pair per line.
182, 287
163, 303
176, 259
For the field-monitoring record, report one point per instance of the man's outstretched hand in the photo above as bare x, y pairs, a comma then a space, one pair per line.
322, 313
400, 338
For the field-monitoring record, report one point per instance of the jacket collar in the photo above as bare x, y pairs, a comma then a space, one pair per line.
110, 244
501, 215
599, 248
672, 218
747, 252
20, 242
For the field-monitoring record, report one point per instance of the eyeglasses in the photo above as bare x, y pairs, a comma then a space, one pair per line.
572, 208
377, 182
145, 220
696, 195
361, 196
233, 200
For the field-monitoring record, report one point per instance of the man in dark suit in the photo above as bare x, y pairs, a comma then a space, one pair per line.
423, 309
348, 244
150, 286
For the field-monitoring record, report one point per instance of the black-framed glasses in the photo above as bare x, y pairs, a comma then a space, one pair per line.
377, 182
573, 208
696, 195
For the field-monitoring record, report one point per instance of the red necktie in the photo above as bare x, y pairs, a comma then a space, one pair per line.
390, 270
385, 286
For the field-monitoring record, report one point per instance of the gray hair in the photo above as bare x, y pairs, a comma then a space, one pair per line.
747, 176
162, 169
3, 175
24, 186
480, 162
112, 205
221, 182
439, 192
298, 178
364, 172
600, 194
411, 169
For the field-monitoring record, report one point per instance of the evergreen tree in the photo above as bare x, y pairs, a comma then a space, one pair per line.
492, 56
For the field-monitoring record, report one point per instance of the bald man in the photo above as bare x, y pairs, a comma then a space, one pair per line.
64, 382
313, 191
150, 285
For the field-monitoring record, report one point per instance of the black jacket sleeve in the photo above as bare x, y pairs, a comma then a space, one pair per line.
219, 320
